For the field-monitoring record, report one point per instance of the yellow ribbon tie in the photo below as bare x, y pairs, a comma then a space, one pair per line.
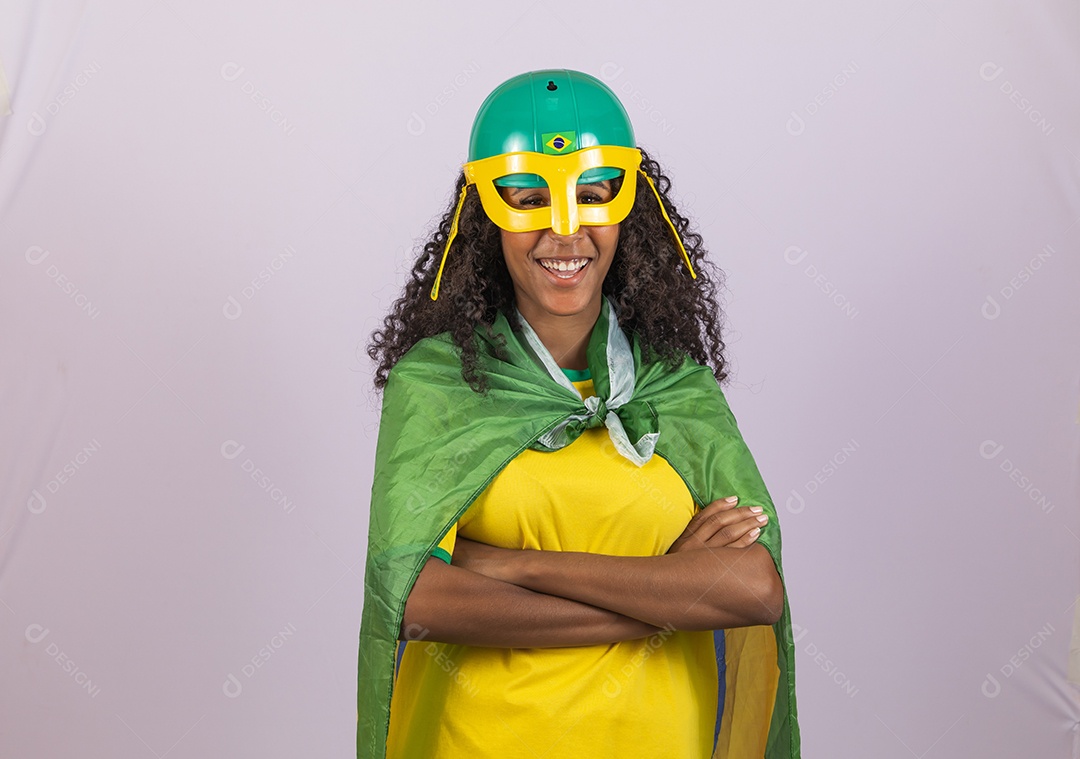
678, 240
449, 241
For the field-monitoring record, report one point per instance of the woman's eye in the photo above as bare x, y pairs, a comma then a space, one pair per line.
534, 201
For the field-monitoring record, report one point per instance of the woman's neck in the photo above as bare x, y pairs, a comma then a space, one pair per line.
565, 336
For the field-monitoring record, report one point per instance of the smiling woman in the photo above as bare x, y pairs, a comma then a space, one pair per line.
558, 277
570, 545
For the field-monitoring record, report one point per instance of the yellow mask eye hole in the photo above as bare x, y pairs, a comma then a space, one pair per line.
589, 194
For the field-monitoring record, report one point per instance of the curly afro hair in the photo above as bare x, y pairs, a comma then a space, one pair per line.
673, 314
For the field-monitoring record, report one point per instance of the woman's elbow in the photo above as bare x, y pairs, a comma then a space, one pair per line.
772, 603
420, 611
764, 603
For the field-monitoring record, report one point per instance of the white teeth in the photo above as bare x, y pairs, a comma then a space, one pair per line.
570, 266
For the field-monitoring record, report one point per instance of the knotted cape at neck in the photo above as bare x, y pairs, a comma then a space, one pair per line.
613, 382
440, 445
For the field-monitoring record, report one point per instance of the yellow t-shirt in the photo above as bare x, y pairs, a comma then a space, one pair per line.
652, 697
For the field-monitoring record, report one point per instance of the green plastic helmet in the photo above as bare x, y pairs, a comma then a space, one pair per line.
554, 111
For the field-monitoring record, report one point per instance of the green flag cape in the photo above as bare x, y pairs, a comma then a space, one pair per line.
440, 444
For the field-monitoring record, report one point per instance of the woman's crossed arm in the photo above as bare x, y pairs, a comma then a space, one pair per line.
450, 604
712, 577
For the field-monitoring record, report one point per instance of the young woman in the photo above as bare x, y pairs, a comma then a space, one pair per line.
554, 532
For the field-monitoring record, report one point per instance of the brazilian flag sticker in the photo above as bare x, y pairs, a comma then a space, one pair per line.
559, 142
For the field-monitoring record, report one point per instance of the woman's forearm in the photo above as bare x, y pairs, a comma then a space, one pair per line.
703, 589
450, 604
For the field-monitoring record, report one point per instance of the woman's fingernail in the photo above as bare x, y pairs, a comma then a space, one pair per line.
755, 532
731, 499
756, 509
763, 518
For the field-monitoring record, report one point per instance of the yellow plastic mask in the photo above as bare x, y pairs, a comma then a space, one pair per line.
561, 173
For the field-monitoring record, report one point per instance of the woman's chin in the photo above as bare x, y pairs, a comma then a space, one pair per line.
566, 302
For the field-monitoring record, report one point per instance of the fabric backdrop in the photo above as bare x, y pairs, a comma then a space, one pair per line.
206, 208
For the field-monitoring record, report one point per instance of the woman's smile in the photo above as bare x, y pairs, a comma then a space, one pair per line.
565, 272
559, 275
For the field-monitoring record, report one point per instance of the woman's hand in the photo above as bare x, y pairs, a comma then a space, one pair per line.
721, 525
482, 558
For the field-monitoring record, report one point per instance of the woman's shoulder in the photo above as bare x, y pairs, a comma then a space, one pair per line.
685, 380
427, 358
443, 349
426, 347
655, 367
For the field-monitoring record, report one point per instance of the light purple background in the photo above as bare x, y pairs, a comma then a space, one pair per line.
206, 210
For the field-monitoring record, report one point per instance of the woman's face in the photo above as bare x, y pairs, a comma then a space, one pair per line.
558, 274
